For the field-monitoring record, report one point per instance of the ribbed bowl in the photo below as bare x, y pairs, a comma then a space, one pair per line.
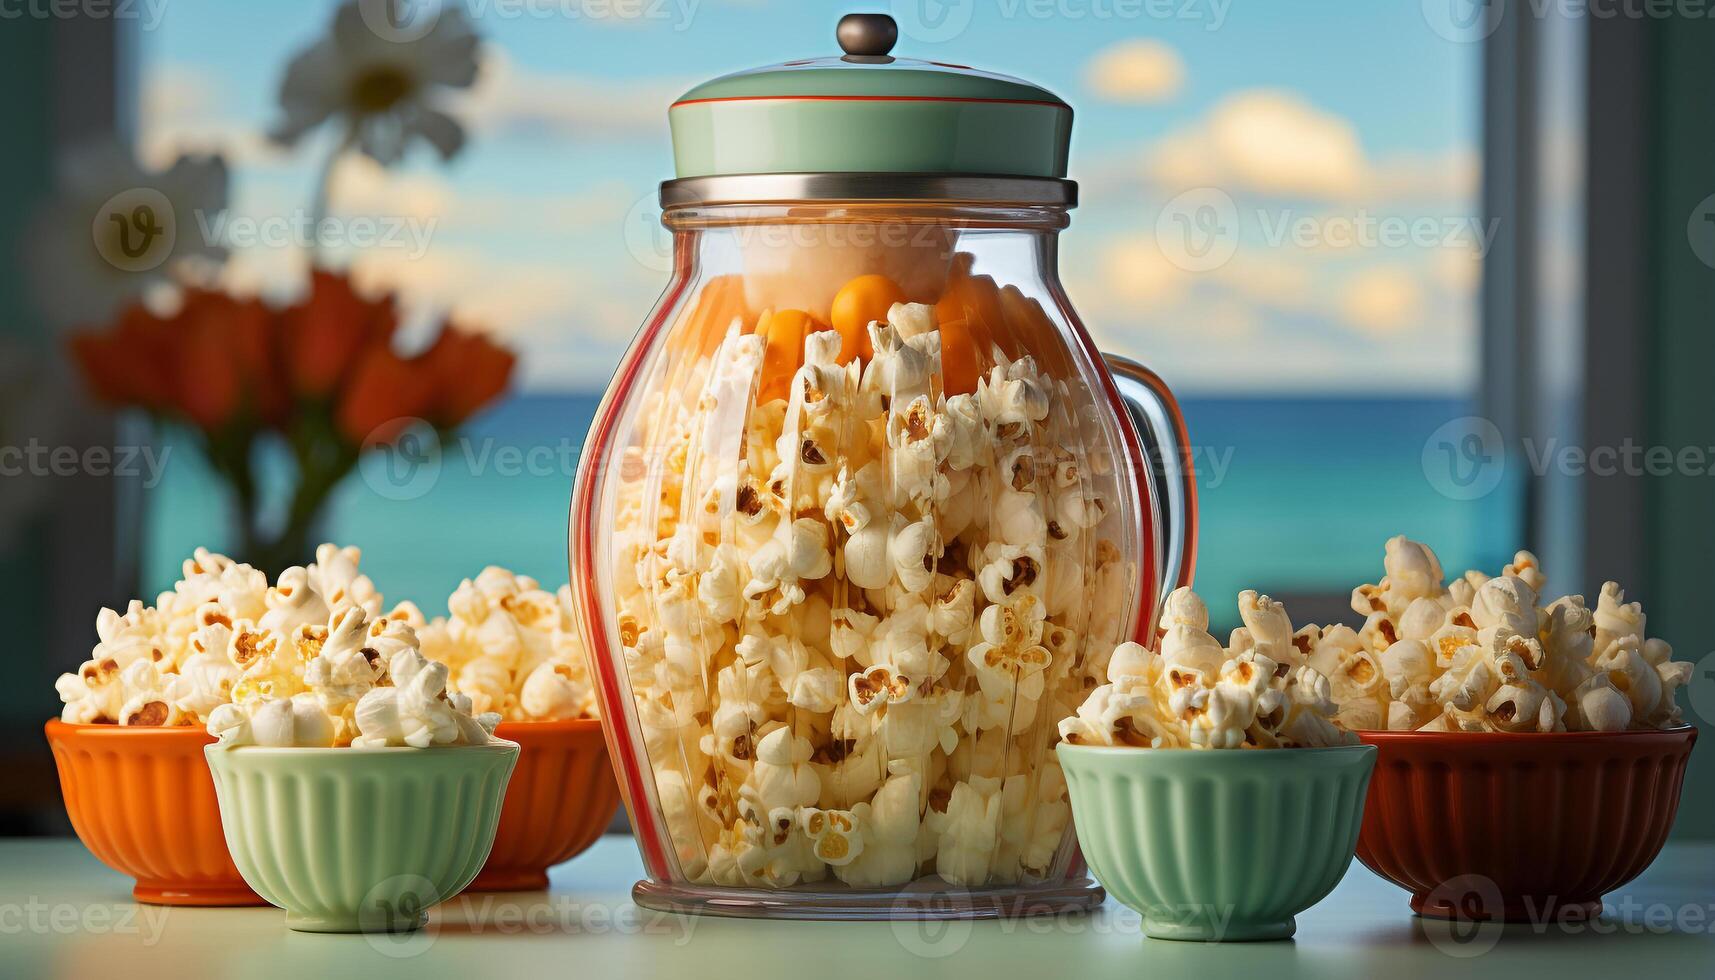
1218, 846
142, 801
1519, 826
360, 840
560, 799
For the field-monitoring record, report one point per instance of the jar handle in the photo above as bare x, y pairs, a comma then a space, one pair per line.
1167, 466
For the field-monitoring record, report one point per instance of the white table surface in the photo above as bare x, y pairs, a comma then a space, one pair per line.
62, 914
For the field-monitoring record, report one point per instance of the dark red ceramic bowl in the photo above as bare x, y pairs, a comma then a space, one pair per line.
1519, 827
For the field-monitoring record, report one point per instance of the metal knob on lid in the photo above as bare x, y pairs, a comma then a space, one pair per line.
867, 38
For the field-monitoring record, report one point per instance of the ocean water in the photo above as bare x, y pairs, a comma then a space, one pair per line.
1296, 496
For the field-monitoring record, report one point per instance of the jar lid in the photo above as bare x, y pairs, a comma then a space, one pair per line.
871, 113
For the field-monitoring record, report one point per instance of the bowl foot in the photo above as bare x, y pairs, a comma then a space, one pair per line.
509, 880
1528, 908
1203, 928
193, 895
925, 899
304, 922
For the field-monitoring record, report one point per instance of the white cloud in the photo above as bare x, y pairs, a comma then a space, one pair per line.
1142, 71
1382, 300
180, 111
1275, 143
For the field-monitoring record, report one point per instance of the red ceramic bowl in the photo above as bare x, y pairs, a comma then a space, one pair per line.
1519, 827
142, 801
561, 797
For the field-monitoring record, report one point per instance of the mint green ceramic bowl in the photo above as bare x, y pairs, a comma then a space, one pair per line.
1218, 846
360, 840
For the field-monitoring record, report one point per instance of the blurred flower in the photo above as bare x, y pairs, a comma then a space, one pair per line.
113, 230
323, 334
469, 371
132, 364
225, 360
207, 360
386, 392
381, 83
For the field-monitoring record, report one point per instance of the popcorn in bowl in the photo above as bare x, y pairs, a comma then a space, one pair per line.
221, 632
512, 648
293, 660
1482, 654
365, 684
1259, 691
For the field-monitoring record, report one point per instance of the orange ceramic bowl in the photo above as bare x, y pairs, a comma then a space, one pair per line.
1521, 827
561, 797
142, 801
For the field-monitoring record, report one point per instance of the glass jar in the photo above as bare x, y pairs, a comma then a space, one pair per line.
861, 518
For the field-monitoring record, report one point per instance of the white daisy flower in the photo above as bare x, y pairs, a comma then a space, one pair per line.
383, 83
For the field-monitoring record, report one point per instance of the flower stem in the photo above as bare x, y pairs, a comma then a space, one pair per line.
323, 193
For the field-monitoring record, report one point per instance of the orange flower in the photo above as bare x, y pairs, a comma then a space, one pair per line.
324, 335
225, 360
131, 364
468, 371
384, 392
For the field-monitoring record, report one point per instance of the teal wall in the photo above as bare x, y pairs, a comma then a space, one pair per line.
26, 51
1680, 384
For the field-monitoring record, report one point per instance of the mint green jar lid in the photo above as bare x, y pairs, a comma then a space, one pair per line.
867, 112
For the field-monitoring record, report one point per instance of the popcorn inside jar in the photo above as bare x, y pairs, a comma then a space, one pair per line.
859, 571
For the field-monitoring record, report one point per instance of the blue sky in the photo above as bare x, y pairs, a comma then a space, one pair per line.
1310, 117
